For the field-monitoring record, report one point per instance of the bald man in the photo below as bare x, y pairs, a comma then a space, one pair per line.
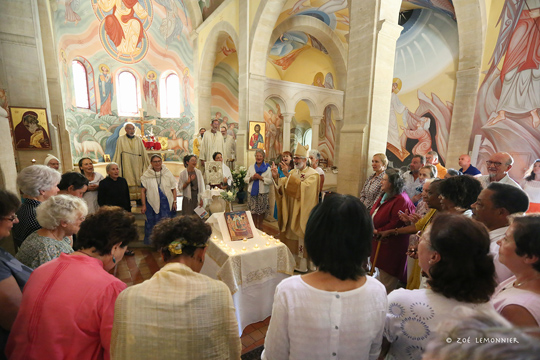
498, 166
466, 167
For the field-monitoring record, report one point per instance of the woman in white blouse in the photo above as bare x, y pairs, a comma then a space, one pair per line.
454, 255
336, 312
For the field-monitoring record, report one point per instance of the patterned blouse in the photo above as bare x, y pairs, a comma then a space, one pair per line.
37, 250
412, 318
371, 190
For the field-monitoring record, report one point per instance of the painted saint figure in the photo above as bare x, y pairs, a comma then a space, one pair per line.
150, 90
185, 91
30, 134
393, 142
520, 74
123, 28
106, 90
256, 141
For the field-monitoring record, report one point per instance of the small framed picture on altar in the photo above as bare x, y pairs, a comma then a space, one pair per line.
213, 172
30, 128
238, 225
257, 133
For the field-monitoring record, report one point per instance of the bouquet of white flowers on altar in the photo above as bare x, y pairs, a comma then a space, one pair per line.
238, 178
228, 196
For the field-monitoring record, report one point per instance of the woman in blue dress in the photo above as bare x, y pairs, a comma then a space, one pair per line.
158, 195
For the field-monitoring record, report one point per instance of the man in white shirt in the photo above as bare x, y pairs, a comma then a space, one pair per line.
498, 166
412, 181
492, 208
212, 143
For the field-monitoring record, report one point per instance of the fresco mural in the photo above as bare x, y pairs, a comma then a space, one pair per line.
208, 7
306, 52
508, 102
426, 63
274, 129
334, 13
327, 136
150, 38
225, 87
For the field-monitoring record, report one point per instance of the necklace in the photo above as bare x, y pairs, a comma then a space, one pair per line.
525, 281
158, 182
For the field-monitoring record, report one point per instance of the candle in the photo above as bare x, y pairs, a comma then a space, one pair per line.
256, 246
263, 234
277, 241
244, 248
271, 237
268, 243
214, 238
233, 252
244, 240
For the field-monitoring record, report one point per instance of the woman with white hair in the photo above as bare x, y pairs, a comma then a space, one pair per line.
114, 190
60, 217
315, 158
37, 183
52, 162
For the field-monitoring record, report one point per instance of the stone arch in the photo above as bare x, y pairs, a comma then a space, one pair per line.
313, 109
219, 33
279, 99
338, 109
324, 34
471, 19
194, 13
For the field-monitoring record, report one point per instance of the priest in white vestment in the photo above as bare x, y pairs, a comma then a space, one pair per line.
212, 142
131, 157
296, 195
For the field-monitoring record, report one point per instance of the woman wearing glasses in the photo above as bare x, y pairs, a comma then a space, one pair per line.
13, 274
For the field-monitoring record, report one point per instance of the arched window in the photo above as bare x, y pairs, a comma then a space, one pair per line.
80, 83
307, 138
128, 97
170, 96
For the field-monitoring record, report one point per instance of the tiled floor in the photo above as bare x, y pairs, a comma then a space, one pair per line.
135, 269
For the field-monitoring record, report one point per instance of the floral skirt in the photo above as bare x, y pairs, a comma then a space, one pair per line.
258, 204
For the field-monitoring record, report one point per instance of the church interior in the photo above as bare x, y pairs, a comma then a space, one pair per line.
347, 78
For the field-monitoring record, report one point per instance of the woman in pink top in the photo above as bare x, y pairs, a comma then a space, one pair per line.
67, 307
518, 298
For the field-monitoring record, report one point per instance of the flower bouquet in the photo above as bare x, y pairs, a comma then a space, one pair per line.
229, 197
239, 175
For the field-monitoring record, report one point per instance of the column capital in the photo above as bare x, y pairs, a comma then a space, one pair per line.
287, 117
316, 120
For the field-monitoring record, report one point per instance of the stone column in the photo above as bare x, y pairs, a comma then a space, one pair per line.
372, 46
287, 118
337, 141
316, 121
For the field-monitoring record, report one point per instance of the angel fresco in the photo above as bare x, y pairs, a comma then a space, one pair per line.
171, 26
123, 27
519, 78
71, 15
150, 90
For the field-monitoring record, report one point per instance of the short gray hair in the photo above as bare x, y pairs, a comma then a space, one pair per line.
56, 209
36, 178
316, 154
261, 151
109, 165
499, 339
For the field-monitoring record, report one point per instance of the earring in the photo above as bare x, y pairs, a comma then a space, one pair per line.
430, 262
113, 259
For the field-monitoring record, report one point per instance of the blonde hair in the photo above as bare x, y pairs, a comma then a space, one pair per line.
383, 158
432, 170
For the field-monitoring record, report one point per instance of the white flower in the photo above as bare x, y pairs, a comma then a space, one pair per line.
229, 193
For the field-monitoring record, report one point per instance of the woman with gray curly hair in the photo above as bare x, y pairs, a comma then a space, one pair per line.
37, 183
60, 217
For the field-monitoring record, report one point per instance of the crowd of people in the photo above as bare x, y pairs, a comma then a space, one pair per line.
389, 268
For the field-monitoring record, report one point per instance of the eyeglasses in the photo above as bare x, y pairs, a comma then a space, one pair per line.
11, 218
494, 163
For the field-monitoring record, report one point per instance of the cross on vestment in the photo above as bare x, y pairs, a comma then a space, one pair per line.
142, 122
